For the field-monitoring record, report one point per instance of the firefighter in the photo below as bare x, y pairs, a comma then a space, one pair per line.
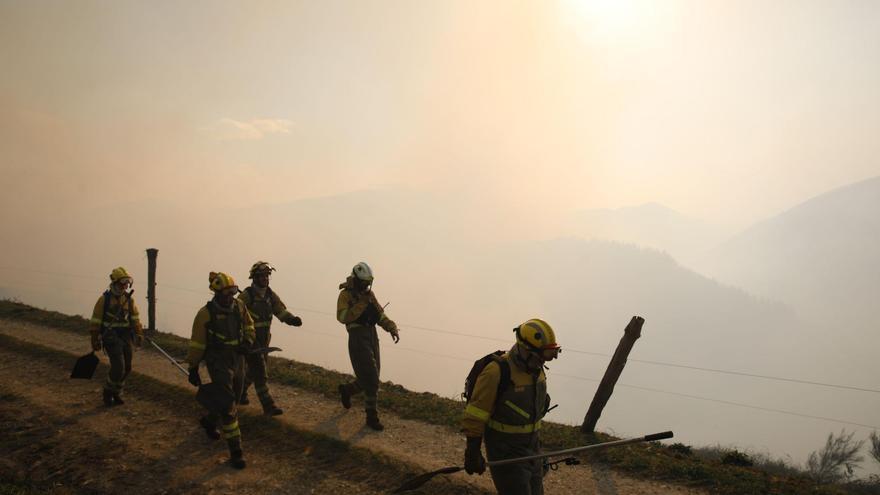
115, 326
360, 312
222, 333
508, 416
262, 302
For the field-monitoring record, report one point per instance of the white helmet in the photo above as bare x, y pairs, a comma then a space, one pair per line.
363, 272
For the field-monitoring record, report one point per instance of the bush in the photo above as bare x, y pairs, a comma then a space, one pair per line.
875, 446
680, 448
837, 460
737, 458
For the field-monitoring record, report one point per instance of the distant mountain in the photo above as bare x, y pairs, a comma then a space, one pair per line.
649, 225
822, 256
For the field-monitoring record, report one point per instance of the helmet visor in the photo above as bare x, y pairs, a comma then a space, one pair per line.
550, 353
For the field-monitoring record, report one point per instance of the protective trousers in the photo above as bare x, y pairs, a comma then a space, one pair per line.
226, 368
523, 478
363, 350
117, 345
257, 373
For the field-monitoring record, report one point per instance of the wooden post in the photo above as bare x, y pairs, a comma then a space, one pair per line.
152, 254
630, 334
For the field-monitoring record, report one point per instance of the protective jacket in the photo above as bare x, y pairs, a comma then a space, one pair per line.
360, 309
510, 421
220, 329
516, 414
116, 312
262, 305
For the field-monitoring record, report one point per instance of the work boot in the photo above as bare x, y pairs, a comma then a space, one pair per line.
373, 420
210, 428
236, 458
272, 410
108, 397
117, 400
345, 396
244, 399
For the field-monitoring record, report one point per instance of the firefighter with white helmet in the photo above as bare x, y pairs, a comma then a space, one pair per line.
222, 333
508, 415
359, 310
263, 303
115, 326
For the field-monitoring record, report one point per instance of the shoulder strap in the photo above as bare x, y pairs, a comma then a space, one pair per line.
504, 383
106, 306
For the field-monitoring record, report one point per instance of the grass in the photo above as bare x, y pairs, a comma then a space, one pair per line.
651, 461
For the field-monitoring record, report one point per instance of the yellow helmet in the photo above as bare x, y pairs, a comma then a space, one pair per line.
261, 267
537, 336
119, 273
220, 281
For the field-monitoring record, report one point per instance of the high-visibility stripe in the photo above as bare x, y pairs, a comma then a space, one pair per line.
517, 409
504, 428
261, 324
96, 321
477, 412
196, 345
231, 430
341, 314
117, 324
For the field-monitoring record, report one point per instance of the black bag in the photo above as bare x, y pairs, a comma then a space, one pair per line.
85, 366
477, 368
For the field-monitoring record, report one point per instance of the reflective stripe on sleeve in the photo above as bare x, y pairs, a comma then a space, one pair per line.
476, 412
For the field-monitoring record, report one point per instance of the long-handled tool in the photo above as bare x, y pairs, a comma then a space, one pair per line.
210, 395
421, 479
167, 356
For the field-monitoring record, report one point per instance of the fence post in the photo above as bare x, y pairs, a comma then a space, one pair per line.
630, 334
152, 254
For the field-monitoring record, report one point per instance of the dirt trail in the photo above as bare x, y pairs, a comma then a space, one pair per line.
198, 464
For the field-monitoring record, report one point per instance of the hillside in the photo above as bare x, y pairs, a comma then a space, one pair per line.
821, 258
320, 449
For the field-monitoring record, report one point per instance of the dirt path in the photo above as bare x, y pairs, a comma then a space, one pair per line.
425, 446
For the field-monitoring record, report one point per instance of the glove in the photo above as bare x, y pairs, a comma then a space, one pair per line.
194, 377
395, 335
294, 321
96, 342
473, 456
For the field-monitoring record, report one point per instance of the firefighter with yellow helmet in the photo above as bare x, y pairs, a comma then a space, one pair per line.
360, 312
508, 415
263, 303
115, 326
222, 333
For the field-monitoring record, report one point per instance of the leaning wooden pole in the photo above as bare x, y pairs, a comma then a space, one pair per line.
630, 334
152, 254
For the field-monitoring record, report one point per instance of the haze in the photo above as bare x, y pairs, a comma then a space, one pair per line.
707, 165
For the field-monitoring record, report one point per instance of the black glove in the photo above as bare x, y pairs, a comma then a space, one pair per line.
244, 347
294, 320
473, 456
194, 377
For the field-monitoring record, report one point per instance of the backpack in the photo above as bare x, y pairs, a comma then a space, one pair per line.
477, 368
